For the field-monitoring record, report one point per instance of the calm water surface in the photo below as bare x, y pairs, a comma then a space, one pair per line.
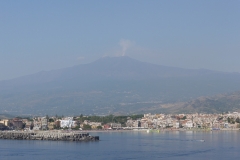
131, 145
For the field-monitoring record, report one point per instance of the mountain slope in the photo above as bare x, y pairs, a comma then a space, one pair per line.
120, 68
110, 84
208, 104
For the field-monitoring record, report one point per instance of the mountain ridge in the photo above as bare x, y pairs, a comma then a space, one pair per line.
104, 85
221, 103
111, 61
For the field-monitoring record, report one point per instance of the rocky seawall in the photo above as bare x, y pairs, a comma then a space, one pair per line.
47, 135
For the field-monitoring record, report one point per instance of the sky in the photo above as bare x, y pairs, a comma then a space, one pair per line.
45, 35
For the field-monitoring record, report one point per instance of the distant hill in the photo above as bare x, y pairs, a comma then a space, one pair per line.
210, 104
110, 85
5, 116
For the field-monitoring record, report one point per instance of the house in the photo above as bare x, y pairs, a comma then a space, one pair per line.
51, 125
5, 122
44, 124
129, 123
28, 125
17, 123
67, 122
176, 124
94, 125
57, 124
37, 125
107, 126
115, 125
189, 124
144, 124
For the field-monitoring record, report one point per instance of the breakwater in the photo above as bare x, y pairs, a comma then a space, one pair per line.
48, 135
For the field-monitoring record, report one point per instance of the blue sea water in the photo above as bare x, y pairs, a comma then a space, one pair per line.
172, 145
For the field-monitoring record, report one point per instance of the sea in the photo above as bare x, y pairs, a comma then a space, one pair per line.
169, 145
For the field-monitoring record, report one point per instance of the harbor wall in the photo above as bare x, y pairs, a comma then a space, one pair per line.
47, 135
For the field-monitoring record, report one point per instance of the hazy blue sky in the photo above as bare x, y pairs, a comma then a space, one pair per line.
46, 35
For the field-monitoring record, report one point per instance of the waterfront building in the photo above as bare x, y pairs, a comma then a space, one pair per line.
51, 125
37, 125
115, 125
5, 122
94, 125
28, 125
17, 123
67, 122
44, 123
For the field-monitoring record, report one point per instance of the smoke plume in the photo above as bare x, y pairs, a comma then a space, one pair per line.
125, 44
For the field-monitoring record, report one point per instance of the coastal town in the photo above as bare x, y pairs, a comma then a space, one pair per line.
199, 121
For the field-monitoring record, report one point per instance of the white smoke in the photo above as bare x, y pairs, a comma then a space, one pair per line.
125, 44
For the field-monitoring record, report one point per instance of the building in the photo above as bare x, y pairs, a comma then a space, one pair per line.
67, 122
44, 123
5, 122
107, 126
28, 125
17, 123
51, 125
57, 124
37, 125
115, 125
94, 125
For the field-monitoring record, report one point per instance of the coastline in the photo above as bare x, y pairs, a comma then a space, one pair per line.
161, 130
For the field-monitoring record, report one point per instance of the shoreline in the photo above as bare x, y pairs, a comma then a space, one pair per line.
159, 130
119, 130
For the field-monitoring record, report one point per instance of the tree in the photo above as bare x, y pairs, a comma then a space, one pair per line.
86, 127
99, 127
51, 120
23, 126
238, 120
31, 126
76, 128
229, 120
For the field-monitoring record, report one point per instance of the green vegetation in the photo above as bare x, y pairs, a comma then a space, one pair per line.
76, 128
184, 118
50, 120
238, 120
109, 119
231, 120
86, 127
99, 127
56, 127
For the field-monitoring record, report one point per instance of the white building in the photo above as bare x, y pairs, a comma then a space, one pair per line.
189, 124
44, 122
37, 125
67, 122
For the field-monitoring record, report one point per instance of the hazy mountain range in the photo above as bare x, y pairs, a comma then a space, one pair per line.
220, 103
112, 85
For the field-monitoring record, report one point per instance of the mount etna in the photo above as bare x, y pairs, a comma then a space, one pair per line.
118, 85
